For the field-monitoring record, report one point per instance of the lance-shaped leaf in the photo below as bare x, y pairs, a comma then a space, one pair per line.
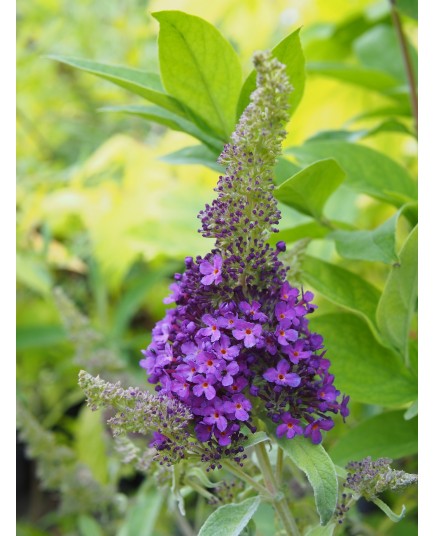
170, 120
365, 77
197, 154
144, 83
379, 48
364, 369
308, 190
200, 69
387, 435
397, 303
143, 513
342, 287
230, 519
375, 245
314, 461
290, 53
389, 513
368, 171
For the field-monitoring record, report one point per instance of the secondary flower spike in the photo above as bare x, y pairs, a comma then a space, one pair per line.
237, 343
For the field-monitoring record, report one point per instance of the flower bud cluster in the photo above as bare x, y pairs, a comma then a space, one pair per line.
368, 478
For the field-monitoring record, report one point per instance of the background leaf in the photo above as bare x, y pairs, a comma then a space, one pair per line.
142, 516
290, 53
397, 303
364, 369
376, 245
199, 68
373, 79
385, 435
146, 84
314, 461
342, 287
308, 190
90, 443
197, 154
378, 48
230, 519
408, 7
319, 530
170, 120
368, 171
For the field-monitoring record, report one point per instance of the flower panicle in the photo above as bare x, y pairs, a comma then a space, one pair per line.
368, 478
245, 210
238, 339
136, 411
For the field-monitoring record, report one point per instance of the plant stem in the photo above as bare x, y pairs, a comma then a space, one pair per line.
279, 466
278, 499
238, 472
183, 524
407, 61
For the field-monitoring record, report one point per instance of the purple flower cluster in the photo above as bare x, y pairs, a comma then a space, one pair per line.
221, 352
237, 344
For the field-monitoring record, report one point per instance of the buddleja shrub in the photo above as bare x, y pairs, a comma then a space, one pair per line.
239, 371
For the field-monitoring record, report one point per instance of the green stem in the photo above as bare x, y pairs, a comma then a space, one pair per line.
183, 524
407, 61
279, 466
238, 472
199, 489
278, 499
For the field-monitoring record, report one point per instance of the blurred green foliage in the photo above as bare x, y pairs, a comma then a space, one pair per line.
107, 212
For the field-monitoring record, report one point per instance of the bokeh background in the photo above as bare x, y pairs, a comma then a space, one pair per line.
101, 216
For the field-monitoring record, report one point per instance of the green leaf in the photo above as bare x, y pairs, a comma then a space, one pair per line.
366, 370
146, 84
308, 190
197, 154
311, 229
379, 48
178, 473
201, 476
319, 530
170, 120
368, 171
397, 303
230, 519
38, 336
283, 170
90, 445
342, 287
384, 435
87, 526
372, 79
200, 69
33, 273
408, 7
254, 439
143, 514
320, 471
290, 53
386, 509
135, 295
376, 245
412, 411
390, 125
